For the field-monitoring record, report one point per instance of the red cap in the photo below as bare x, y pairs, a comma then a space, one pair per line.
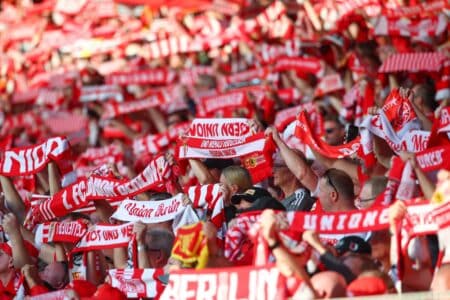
106, 291
366, 286
83, 287
6, 248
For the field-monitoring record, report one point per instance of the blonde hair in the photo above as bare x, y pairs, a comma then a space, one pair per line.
239, 176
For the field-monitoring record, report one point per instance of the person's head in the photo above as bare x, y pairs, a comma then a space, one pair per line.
235, 179
334, 131
283, 177
371, 189
424, 97
55, 275
380, 241
215, 166
330, 284
249, 197
6, 260
158, 245
336, 191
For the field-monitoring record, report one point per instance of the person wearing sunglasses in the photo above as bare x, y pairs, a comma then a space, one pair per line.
334, 131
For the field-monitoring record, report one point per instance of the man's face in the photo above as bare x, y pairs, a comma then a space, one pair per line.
281, 175
53, 274
226, 189
334, 133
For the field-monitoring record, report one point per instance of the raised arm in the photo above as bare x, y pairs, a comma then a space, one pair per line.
295, 162
12, 198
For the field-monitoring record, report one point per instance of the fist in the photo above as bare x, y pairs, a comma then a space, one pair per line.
10, 225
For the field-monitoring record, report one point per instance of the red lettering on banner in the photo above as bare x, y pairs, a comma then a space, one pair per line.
136, 211
204, 130
419, 141
235, 129
165, 210
93, 235
110, 234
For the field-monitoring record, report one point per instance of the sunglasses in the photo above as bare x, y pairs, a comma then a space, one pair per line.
329, 130
329, 181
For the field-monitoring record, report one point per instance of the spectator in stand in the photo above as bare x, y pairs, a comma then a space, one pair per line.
334, 130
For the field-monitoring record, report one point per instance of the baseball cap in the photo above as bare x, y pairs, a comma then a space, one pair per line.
353, 244
250, 195
263, 203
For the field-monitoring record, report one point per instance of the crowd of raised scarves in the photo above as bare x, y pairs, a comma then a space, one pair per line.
224, 149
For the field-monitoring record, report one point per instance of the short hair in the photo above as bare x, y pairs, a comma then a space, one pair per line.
333, 118
160, 239
158, 196
427, 92
342, 182
239, 176
378, 184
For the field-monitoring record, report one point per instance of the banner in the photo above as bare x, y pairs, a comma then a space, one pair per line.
99, 237
31, 160
137, 283
149, 211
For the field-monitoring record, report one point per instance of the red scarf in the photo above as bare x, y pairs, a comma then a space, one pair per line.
31, 160
115, 109
78, 195
303, 132
137, 283
151, 76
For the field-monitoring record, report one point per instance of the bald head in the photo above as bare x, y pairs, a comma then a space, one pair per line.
330, 284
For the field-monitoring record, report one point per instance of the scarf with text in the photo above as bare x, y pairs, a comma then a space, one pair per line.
32, 159
115, 109
286, 116
101, 93
226, 104
137, 283
397, 124
149, 211
152, 76
264, 282
67, 232
220, 138
394, 10
78, 194
303, 132
311, 65
100, 155
100, 237
432, 26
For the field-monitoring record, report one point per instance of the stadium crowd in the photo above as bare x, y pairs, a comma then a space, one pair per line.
224, 149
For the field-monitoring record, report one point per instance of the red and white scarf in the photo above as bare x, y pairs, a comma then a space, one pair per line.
397, 124
224, 104
220, 138
100, 237
67, 232
233, 283
151, 76
420, 9
152, 143
303, 132
149, 211
329, 84
31, 160
98, 156
137, 283
79, 194
311, 65
432, 26
209, 197
101, 93
113, 110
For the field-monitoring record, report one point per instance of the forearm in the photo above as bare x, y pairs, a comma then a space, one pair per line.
201, 172
120, 258
13, 200
142, 256
54, 178
20, 253
427, 186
